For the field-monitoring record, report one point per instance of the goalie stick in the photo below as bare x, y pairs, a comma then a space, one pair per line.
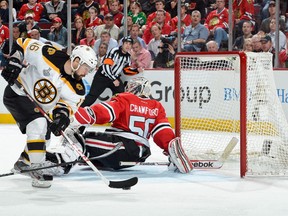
66, 163
197, 164
124, 184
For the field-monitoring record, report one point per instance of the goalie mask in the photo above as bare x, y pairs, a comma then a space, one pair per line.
86, 55
139, 86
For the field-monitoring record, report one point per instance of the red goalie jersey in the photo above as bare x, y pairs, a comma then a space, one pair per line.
136, 116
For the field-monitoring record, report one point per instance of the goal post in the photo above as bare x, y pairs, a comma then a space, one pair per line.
225, 94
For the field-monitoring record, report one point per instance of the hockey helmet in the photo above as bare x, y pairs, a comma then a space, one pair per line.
86, 55
139, 86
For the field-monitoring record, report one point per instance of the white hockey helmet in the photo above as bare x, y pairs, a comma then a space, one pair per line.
139, 86
86, 55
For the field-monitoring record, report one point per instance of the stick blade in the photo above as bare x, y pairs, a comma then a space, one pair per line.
125, 184
229, 148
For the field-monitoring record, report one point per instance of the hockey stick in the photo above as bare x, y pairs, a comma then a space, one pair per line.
66, 163
124, 184
197, 164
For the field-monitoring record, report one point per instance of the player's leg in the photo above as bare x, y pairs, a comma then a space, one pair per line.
31, 122
99, 143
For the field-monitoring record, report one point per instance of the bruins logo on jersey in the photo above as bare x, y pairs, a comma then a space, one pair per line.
44, 91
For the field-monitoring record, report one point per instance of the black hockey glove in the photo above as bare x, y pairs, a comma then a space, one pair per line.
60, 122
12, 70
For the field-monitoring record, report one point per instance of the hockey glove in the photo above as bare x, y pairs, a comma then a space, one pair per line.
69, 154
12, 70
178, 158
60, 122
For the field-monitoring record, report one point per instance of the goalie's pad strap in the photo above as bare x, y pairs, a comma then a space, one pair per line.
178, 156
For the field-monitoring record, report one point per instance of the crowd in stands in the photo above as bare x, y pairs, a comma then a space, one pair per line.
153, 26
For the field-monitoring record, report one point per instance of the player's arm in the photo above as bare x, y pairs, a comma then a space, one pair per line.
99, 113
131, 71
16, 57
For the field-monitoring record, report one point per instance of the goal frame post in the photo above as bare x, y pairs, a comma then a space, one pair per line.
243, 95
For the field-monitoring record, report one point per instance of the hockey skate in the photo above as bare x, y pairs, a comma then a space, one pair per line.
40, 178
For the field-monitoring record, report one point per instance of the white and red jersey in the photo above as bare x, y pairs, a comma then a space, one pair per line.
37, 9
4, 33
45, 78
132, 117
217, 19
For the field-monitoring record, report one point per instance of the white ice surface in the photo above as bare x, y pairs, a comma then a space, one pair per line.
158, 192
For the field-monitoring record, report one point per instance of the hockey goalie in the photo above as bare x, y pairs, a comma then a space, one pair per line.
134, 117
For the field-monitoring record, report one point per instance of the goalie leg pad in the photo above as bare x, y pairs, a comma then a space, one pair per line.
178, 156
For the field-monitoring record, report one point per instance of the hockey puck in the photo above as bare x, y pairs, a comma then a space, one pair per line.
126, 188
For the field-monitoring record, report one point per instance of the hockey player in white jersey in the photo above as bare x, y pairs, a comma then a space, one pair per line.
54, 80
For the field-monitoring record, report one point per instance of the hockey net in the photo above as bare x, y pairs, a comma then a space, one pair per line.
222, 95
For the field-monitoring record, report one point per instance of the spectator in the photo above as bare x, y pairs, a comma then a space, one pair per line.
129, 26
104, 8
247, 28
4, 35
282, 36
198, 5
217, 22
16, 32
140, 57
148, 7
117, 14
138, 16
58, 33
75, 4
283, 57
4, 12
266, 42
154, 43
171, 6
83, 10
35, 34
160, 19
243, 11
27, 25
248, 45
265, 24
185, 20
212, 46
89, 40
79, 32
105, 37
134, 34
31, 6
93, 21
166, 54
108, 26
195, 35
4, 32
159, 4
55, 8
256, 43
102, 51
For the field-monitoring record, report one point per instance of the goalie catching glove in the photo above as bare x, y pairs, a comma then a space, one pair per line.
178, 158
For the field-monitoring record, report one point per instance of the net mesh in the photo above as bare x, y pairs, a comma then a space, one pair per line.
210, 110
